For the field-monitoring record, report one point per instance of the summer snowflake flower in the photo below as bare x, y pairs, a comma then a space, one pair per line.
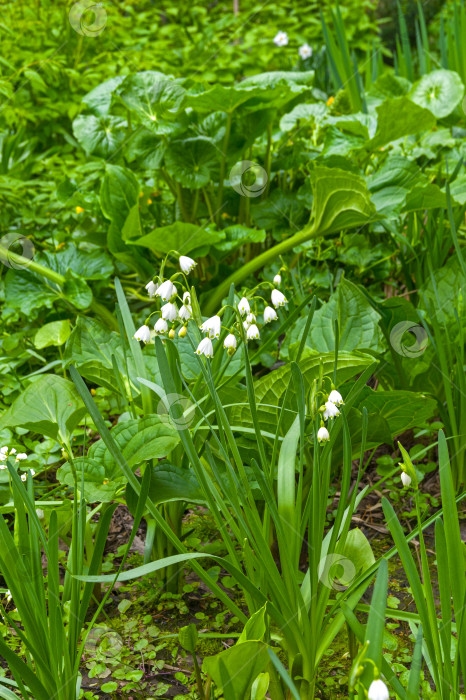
23, 477
143, 333
335, 397
323, 435
212, 326
151, 288
230, 342
187, 264
20, 456
330, 410
278, 299
205, 347
243, 306
269, 314
161, 327
169, 311
3, 466
378, 691
166, 290
281, 39
250, 319
252, 332
405, 479
305, 51
185, 312
277, 280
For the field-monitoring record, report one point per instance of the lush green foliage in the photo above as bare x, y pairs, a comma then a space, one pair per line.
290, 192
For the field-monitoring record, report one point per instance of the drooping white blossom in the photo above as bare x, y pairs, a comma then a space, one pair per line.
269, 314
253, 332
230, 342
405, 479
205, 347
143, 334
277, 280
187, 264
378, 691
169, 312
323, 435
278, 299
212, 326
151, 288
331, 411
166, 290
161, 326
243, 306
335, 397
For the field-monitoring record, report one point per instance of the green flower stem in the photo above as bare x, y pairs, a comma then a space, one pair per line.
56, 278
260, 261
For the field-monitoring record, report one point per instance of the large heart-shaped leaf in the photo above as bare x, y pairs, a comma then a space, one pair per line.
49, 406
99, 136
190, 161
397, 118
90, 265
169, 483
235, 669
155, 98
180, 236
118, 194
358, 323
100, 98
341, 200
92, 475
439, 91
152, 437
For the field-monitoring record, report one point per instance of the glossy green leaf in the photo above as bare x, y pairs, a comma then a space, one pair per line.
170, 483
440, 92
179, 236
235, 669
152, 437
49, 406
54, 333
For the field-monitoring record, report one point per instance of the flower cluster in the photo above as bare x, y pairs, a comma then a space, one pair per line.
177, 309
281, 39
6, 452
329, 410
170, 312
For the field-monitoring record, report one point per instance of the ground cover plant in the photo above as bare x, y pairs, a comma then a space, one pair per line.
232, 396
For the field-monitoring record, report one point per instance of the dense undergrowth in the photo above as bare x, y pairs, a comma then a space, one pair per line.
232, 324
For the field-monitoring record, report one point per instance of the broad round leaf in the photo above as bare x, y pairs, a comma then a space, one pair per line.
440, 92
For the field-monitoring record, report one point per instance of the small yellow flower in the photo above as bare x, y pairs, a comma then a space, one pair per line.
93, 392
330, 101
149, 201
79, 210
225, 215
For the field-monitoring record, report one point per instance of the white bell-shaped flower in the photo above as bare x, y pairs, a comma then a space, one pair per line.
143, 334
166, 290
161, 327
331, 411
169, 312
278, 299
187, 264
378, 691
269, 314
212, 326
323, 435
205, 347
